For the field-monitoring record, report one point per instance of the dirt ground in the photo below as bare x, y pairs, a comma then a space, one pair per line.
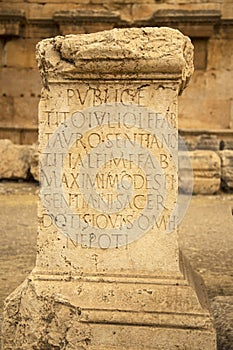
206, 238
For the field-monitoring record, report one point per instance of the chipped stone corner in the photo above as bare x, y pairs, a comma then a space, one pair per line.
39, 320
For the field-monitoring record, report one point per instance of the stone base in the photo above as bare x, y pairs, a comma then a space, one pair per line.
109, 313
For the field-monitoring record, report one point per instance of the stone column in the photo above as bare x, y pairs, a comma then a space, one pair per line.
109, 274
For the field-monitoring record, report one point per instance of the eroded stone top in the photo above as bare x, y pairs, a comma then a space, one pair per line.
118, 53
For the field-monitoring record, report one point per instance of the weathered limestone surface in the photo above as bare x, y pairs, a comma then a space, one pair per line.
208, 142
14, 160
109, 274
18, 162
206, 172
227, 169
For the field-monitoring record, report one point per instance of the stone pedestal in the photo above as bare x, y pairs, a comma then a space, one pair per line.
109, 274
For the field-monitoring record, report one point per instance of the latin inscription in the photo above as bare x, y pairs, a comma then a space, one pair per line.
117, 167
95, 96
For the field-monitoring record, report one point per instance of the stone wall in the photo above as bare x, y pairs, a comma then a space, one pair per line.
206, 105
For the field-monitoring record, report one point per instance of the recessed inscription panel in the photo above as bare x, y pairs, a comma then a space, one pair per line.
109, 164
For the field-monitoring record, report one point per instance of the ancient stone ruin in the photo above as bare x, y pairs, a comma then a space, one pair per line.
205, 120
109, 273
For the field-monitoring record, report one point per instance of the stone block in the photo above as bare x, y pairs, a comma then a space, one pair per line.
86, 21
208, 142
189, 141
20, 53
20, 136
213, 110
14, 160
46, 10
25, 111
6, 110
206, 172
19, 97
29, 136
200, 53
227, 169
40, 28
19, 81
219, 54
212, 114
218, 84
